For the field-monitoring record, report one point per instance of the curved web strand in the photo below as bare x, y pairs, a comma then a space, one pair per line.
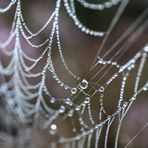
4, 10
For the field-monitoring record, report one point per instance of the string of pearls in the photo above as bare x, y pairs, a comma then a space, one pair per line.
78, 23
100, 6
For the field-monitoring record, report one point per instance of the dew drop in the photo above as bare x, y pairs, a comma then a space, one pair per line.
100, 7
70, 114
13, 1
77, 108
145, 88
108, 4
101, 89
83, 84
125, 104
52, 100
53, 129
69, 102
74, 129
74, 90
133, 98
66, 87
100, 61
62, 109
87, 99
146, 48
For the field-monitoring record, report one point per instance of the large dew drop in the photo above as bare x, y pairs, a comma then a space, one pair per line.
84, 84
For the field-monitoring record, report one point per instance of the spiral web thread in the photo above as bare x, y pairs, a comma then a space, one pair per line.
19, 93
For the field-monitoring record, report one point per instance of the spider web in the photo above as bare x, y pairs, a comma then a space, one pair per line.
32, 101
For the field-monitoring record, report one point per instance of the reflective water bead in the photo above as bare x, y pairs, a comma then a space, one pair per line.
70, 114
74, 90
77, 108
61, 84
114, 63
114, 2
109, 117
87, 99
87, 31
84, 84
133, 98
108, 62
52, 100
83, 104
13, 1
100, 7
74, 130
145, 88
101, 89
100, 61
146, 48
62, 109
83, 29
68, 102
108, 4
131, 66
125, 104
53, 129
66, 87
78, 137
82, 129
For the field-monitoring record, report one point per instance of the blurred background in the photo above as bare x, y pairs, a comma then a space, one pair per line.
79, 51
